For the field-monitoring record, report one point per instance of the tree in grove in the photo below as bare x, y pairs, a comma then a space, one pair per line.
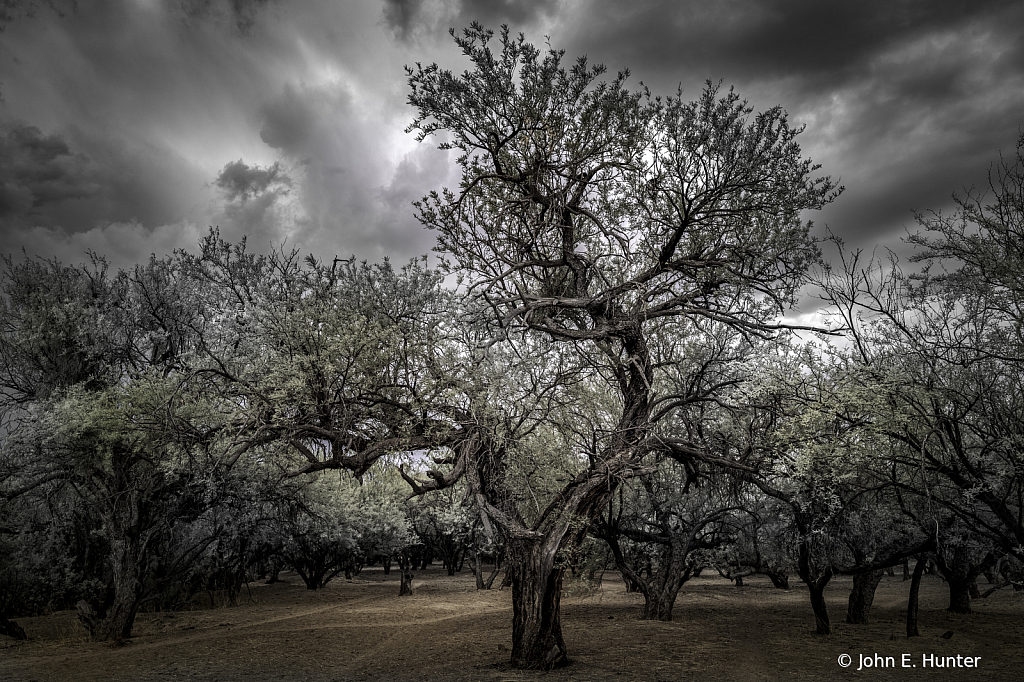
606, 222
678, 524
952, 330
90, 363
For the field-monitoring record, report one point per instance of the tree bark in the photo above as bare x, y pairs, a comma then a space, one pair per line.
815, 584
822, 625
658, 605
405, 564
961, 573
536, 595
915, 590
959, 595
478, 570
779, 579
119, 619
862, 595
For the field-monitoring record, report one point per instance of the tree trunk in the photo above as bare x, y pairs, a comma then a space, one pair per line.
862, 595
11, 629
815, 584
536, 595
658, 604
779, 579
405, 563
117, 623
961, 574
915, 590
478, 570
664, 585
822, 625
959, 596
490, 578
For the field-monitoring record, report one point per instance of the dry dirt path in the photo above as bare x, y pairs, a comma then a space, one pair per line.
447, 631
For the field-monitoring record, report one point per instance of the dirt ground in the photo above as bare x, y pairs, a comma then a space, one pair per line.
361, 630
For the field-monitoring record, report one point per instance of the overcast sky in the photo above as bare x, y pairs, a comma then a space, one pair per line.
128, 127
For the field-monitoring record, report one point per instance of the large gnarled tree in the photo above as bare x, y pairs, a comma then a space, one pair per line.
612, 223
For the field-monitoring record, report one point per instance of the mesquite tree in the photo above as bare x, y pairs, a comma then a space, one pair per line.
809, 438
955, 329
607, 221
88, 365
676, 521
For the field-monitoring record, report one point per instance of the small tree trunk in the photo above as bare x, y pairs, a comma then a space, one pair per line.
405, 569
906, 570
822, 625
915, 589
11, 629
478, 570
862, 595
959, 595
779, 580
494, 574
386, 563
815, 581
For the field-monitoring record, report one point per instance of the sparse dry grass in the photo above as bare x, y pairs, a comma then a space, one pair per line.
361, 630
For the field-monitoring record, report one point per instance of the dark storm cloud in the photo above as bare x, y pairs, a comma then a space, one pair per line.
402, 16
407, 18
243, 13
905, 101
240, 182
352, 192
81, 182
38, 171
512, 12
822, 44
289, 121
141, 122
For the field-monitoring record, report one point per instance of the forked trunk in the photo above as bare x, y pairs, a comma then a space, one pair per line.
658, 605
862, 595
116, 625
663, 587
816, 581
537, 641
779, 579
